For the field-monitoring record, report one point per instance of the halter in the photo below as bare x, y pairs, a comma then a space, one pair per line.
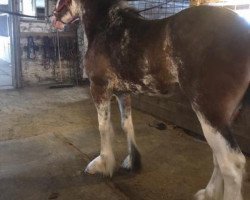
64, 4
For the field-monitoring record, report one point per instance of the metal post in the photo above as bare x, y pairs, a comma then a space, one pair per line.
15, 45
59, 56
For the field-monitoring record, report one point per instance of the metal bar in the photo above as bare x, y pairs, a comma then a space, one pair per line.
59, 55
22, 15
15, 46
154, 6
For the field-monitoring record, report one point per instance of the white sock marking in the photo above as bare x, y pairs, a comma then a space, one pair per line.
231, 162
127, 126
104, 163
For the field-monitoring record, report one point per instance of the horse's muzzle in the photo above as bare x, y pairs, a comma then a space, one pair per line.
56, 24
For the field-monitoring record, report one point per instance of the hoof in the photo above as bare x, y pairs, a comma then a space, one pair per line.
101, 165
127, 163
132, 162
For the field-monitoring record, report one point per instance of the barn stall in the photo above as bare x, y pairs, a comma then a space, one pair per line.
49, 128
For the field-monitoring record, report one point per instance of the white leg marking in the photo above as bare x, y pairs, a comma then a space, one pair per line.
128, 127
104, 163
214, 189
231, 162
127, 163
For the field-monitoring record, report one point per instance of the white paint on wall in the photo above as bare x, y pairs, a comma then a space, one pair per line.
5, 49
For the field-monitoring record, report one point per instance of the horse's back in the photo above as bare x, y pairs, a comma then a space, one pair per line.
199, 28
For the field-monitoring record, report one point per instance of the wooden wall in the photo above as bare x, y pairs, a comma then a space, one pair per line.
177, 110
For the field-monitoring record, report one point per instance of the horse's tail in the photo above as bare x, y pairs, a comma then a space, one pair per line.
246, 98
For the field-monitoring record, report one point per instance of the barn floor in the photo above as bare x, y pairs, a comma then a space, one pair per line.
47, 137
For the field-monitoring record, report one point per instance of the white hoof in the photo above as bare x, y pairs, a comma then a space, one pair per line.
101, 164
201, 195
127, 163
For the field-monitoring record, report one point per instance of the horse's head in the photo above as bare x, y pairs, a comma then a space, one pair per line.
65, 12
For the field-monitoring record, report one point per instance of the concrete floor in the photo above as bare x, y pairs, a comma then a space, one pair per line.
47, 137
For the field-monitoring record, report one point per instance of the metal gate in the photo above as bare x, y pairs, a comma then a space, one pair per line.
9, 28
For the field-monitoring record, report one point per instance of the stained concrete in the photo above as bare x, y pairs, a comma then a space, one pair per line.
47, 137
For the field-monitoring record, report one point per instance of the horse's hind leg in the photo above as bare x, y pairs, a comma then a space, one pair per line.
214, 189
230, 160
105, 162
133, 160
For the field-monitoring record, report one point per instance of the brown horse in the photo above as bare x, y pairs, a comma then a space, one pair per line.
206, 50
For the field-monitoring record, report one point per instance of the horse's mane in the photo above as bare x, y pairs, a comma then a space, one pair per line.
103, 13
122, 6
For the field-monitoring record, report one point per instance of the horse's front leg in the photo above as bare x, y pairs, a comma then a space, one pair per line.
105, 162
133, 160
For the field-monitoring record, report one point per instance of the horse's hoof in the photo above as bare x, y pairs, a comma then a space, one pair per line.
133, 161
101, 165
201, 195
127, 163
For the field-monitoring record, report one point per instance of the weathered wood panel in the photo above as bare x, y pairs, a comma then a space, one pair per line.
177, 109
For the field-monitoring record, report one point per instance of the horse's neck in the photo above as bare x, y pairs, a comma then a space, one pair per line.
95, 16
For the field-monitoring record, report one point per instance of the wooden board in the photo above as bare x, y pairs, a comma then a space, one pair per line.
177, 110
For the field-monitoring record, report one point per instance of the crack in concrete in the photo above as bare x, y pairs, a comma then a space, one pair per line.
70, 144
86, 158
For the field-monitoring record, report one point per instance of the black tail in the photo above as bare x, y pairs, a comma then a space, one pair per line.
246, 99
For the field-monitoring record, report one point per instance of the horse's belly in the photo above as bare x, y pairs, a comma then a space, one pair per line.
148, 85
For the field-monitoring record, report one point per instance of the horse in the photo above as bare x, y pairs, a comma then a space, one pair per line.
205, 50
